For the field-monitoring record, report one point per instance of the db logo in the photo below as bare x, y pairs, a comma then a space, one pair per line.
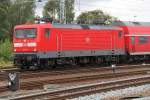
87, 40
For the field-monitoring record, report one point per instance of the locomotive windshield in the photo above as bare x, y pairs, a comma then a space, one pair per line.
25, 33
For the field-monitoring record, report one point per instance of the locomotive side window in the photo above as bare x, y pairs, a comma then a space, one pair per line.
119, 34
47, 32
25, 33
143, 39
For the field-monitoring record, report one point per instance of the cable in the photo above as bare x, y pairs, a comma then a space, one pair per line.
90, 5
78, 3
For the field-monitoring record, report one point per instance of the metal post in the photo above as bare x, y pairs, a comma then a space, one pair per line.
134, 18
62, 11
113, 66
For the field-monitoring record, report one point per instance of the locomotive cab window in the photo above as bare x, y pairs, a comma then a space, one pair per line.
25, 33
143, 39
47, 32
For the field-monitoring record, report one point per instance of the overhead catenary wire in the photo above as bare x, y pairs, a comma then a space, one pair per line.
81, 4
82, 7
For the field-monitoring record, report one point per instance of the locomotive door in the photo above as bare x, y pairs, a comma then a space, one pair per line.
57, 46
113, 42
132, 43
59, 43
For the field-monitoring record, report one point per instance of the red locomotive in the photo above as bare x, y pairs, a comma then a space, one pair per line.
41, 45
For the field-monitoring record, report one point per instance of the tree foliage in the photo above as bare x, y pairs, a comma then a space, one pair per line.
94, 17
5, 50
52, 9
14, 12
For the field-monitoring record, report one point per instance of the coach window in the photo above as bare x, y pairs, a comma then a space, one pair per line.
132, 40
47, 32
143, 39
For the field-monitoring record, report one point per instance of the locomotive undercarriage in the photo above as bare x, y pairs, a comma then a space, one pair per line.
31, 60
24, 61
138, 59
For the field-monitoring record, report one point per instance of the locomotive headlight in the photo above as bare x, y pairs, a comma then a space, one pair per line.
34, 49
18, 44
33, 44
14, 49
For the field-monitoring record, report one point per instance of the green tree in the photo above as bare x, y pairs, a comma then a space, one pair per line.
52, 9
94, 17
14, 12
4, 9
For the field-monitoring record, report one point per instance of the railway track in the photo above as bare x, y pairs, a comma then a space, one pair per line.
9, 69
31, 84
38, 80
28, 74
77, 91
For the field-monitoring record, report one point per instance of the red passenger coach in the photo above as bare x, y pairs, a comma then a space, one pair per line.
139, 40
137, 37
50, 44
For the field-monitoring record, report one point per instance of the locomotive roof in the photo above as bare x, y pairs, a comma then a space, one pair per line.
71, 26
130, 23
33, 25
77, 26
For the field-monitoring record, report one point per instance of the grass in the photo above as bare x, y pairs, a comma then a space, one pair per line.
5, 53
5, 64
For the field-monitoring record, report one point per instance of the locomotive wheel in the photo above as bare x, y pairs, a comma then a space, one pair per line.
53, 67
41, 67
24, 67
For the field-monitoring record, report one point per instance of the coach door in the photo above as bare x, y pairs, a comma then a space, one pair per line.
132, 43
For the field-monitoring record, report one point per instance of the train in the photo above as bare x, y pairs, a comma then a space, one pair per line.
49, 44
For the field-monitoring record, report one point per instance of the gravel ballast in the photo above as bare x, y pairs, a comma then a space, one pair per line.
139, 91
